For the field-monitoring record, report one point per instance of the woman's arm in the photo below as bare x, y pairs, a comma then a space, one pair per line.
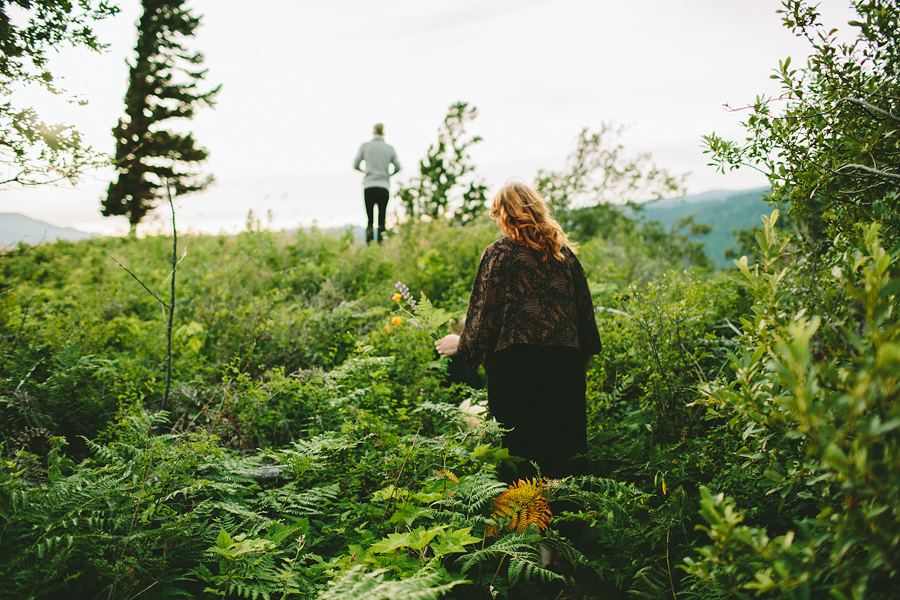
484, 318
588, 334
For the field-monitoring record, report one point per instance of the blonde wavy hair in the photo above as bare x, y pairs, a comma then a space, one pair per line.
525, 219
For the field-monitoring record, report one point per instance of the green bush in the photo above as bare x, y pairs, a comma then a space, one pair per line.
816, 405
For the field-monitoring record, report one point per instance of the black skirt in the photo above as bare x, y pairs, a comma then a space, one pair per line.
539, 392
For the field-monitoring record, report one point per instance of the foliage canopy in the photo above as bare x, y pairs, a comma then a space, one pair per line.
33, 152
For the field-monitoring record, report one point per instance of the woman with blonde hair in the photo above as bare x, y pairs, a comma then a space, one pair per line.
531, 324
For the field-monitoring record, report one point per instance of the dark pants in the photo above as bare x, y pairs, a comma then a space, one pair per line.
539, 391
375, 196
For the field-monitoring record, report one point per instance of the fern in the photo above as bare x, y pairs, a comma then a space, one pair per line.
476, 490
562, 547
358, 366
357, 584
423, 313
239, 510
137, 501
650, 583
305, 455
524, 558
254, 567
310, 502
606, 498
444, 410
524, 504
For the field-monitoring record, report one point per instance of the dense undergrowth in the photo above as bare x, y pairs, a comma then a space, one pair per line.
744, 428
304, 443
281, 356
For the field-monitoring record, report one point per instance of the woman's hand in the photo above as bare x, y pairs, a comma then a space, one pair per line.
447, 345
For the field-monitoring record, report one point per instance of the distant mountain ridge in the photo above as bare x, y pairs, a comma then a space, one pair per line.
16, 228
724, 210
712, 196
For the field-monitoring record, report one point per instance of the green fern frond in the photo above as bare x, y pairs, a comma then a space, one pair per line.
304, 455
650, 583
671, 512
287, 501
563, 547
527, 566
239, 510
524, 558
477, 490
606, 498
513, 544
357, 584
359, 366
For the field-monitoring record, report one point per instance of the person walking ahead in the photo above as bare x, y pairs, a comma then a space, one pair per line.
378, 157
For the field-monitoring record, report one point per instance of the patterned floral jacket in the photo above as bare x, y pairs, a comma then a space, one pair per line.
520, 299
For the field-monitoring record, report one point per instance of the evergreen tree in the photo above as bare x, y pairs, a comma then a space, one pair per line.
147, 156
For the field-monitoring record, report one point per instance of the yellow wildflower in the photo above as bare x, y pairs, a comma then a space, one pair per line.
397, 297
397, 320
388, 327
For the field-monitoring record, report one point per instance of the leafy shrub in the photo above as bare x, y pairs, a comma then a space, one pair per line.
817, 408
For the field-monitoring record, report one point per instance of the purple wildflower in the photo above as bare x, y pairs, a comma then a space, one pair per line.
404, 291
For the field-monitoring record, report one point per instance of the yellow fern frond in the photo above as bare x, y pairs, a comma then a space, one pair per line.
523, 504
448, 475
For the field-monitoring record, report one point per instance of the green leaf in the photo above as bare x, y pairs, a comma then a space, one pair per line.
391, 543
223, 540
449, 542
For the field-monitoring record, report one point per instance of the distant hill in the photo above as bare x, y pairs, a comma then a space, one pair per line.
724, 211
713, 196
16, 228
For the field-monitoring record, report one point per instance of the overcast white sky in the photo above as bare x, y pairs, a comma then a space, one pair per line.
303, 83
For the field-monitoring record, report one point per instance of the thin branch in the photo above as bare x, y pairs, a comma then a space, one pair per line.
614, 311
728, 107
872, 107
149, 291
180, 260
669, 566
838, 102
869, 170
400, 474
171, 300
733, 328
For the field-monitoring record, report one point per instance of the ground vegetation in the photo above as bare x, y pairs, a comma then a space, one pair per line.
744, 430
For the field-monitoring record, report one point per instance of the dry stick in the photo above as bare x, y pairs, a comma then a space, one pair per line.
287, 497
171, 305
870, 170
149, 291
671, 582
172, 299
502, 558
396, 481
171, 308
733, 328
